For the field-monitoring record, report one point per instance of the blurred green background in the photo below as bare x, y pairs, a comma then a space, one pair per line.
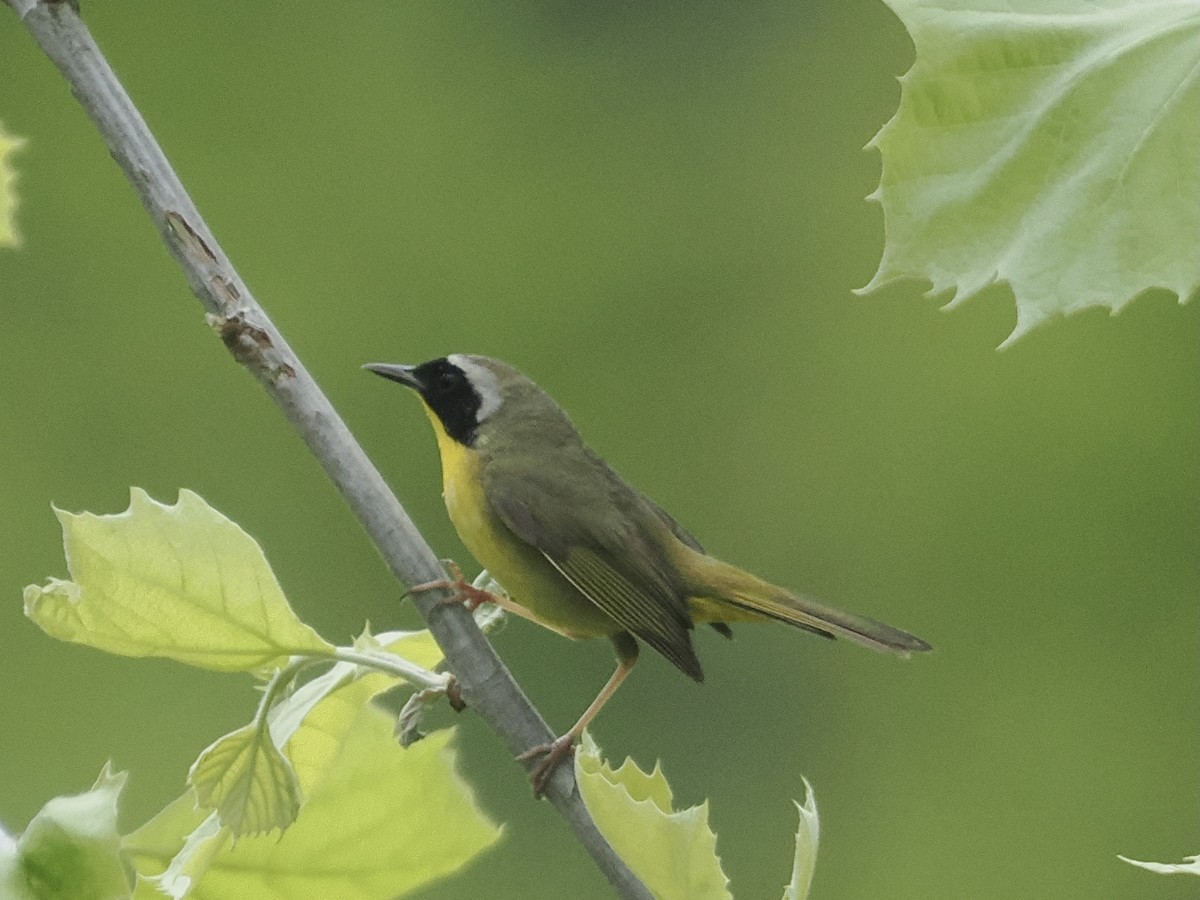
656, 210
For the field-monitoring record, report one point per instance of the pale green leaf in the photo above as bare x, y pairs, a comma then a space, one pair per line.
250, 784
1050, 144
248, 780
370, 652
807, 839
182, 872
1189, 866
12, 880
181, 581
153, 846
316, 743
70, 851
377, 820
9, 236
399, 699
367, 642
418, 647
673, 853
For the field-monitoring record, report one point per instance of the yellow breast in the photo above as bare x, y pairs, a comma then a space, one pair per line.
463, 493
526, 574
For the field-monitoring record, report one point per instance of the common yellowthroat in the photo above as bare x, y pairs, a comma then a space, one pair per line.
578, 549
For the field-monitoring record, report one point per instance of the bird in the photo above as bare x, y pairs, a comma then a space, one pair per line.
577, 548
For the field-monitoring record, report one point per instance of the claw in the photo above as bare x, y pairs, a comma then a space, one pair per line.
564, 746
554, 753
464, 592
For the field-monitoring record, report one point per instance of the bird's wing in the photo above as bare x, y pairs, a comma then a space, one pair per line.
593, 529
669, 520
687, 538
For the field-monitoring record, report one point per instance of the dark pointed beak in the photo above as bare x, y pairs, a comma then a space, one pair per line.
394, 372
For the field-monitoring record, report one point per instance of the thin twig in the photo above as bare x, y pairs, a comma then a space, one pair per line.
257, 344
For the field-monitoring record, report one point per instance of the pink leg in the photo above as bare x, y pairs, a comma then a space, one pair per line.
563, 747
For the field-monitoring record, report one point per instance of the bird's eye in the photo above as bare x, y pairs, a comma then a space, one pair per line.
447, 381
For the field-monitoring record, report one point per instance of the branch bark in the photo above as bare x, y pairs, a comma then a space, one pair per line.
255, 342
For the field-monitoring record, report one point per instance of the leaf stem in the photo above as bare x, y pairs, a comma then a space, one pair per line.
395, 665
279, 681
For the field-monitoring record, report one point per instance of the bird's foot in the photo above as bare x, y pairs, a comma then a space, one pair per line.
464, 592
553, 753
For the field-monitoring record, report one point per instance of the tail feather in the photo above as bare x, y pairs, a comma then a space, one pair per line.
719, 581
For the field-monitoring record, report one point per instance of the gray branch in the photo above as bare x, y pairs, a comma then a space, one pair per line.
257, 344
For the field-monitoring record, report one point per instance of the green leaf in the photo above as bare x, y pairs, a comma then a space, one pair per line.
674, 853
160, 840
250, 784
70, 849
181, 581
1050, 144
244, 776
367, 642
807, 838
179, 874
12, 879
1189, 866
9, 144
377, 820
418, 647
